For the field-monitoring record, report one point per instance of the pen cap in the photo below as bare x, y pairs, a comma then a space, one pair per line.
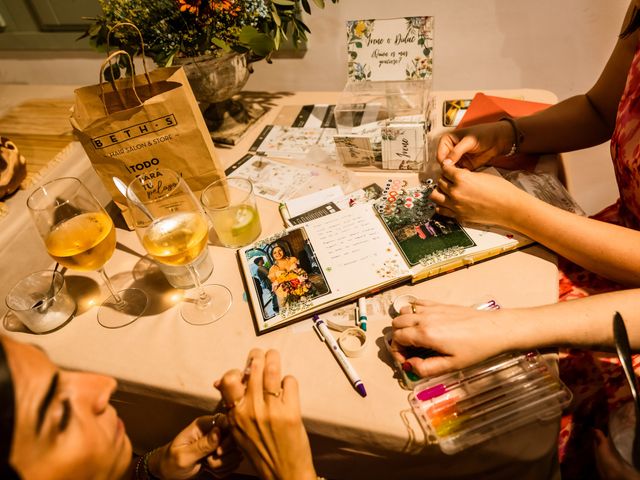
481, 402
362, 307
408, 380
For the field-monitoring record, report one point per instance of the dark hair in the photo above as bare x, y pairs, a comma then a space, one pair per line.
633, 25
7, 416
257, 260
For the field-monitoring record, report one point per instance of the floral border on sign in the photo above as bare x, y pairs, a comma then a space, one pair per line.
357, 31
421, 67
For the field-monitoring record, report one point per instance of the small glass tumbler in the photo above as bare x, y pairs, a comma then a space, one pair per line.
231, 206
179, 276
41, 301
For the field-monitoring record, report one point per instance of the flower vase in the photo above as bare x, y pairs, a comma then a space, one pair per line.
216, 83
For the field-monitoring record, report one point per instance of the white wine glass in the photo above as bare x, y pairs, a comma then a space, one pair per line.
174, 230
79, 234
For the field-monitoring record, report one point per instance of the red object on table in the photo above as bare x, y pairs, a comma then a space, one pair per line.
487, 108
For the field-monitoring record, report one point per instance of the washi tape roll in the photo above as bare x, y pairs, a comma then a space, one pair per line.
403, 301
340, 319
353, 341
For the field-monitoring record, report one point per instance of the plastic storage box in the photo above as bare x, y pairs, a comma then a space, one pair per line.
378, 112
478, 403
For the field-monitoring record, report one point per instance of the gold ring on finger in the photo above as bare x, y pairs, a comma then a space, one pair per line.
413, 308
275, 394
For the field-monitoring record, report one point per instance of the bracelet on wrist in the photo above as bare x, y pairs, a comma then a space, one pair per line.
518, 136
142, 471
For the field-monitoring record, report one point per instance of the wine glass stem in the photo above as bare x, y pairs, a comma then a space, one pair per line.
203, 297
117, 298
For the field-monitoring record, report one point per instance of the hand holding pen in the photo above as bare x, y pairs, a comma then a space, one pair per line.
264, 412
462, 336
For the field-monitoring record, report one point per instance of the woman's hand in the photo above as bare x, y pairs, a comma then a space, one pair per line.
200, 444
476, 196
266, 420
475, 146
610, 464
462, 335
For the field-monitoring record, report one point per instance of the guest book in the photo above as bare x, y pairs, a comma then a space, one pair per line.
336, 258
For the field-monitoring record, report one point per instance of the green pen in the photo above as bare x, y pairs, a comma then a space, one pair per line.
284, 213
362, 316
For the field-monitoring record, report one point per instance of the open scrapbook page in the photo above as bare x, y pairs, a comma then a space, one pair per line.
310, 267
388, 235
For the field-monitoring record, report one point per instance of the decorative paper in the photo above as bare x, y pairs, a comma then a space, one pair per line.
292, 142
410, 217
390, 49
271, 180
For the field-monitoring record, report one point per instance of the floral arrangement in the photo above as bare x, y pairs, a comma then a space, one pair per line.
191, 28
295, 283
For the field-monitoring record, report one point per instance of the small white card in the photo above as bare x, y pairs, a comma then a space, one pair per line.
390, 49
299, 205
403, 146
354, 150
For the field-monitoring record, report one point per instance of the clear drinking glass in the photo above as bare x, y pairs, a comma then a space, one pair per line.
41, 301
231, 206
80, 235
174, 230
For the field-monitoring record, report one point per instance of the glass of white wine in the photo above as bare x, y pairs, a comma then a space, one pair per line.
79, 234
174, 230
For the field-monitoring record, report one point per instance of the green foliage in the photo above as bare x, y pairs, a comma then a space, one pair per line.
189, 28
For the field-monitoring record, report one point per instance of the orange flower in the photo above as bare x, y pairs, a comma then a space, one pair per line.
191, 6
226, 6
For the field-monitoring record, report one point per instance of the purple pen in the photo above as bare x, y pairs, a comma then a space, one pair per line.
326, 336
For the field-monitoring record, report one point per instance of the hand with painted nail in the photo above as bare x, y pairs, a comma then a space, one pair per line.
475, 146
477, 197
462, 335
610, 464
264, 413
203, 444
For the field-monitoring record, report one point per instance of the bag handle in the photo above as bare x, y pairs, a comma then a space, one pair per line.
113, 83
144, 63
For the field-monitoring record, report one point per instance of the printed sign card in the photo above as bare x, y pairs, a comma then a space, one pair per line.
403, 146
354, 150
390, 49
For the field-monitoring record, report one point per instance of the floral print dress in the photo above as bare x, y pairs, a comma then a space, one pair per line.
596, 378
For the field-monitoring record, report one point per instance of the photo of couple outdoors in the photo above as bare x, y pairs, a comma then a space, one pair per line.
285, 272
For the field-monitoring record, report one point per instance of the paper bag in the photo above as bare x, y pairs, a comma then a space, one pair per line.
133, 126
